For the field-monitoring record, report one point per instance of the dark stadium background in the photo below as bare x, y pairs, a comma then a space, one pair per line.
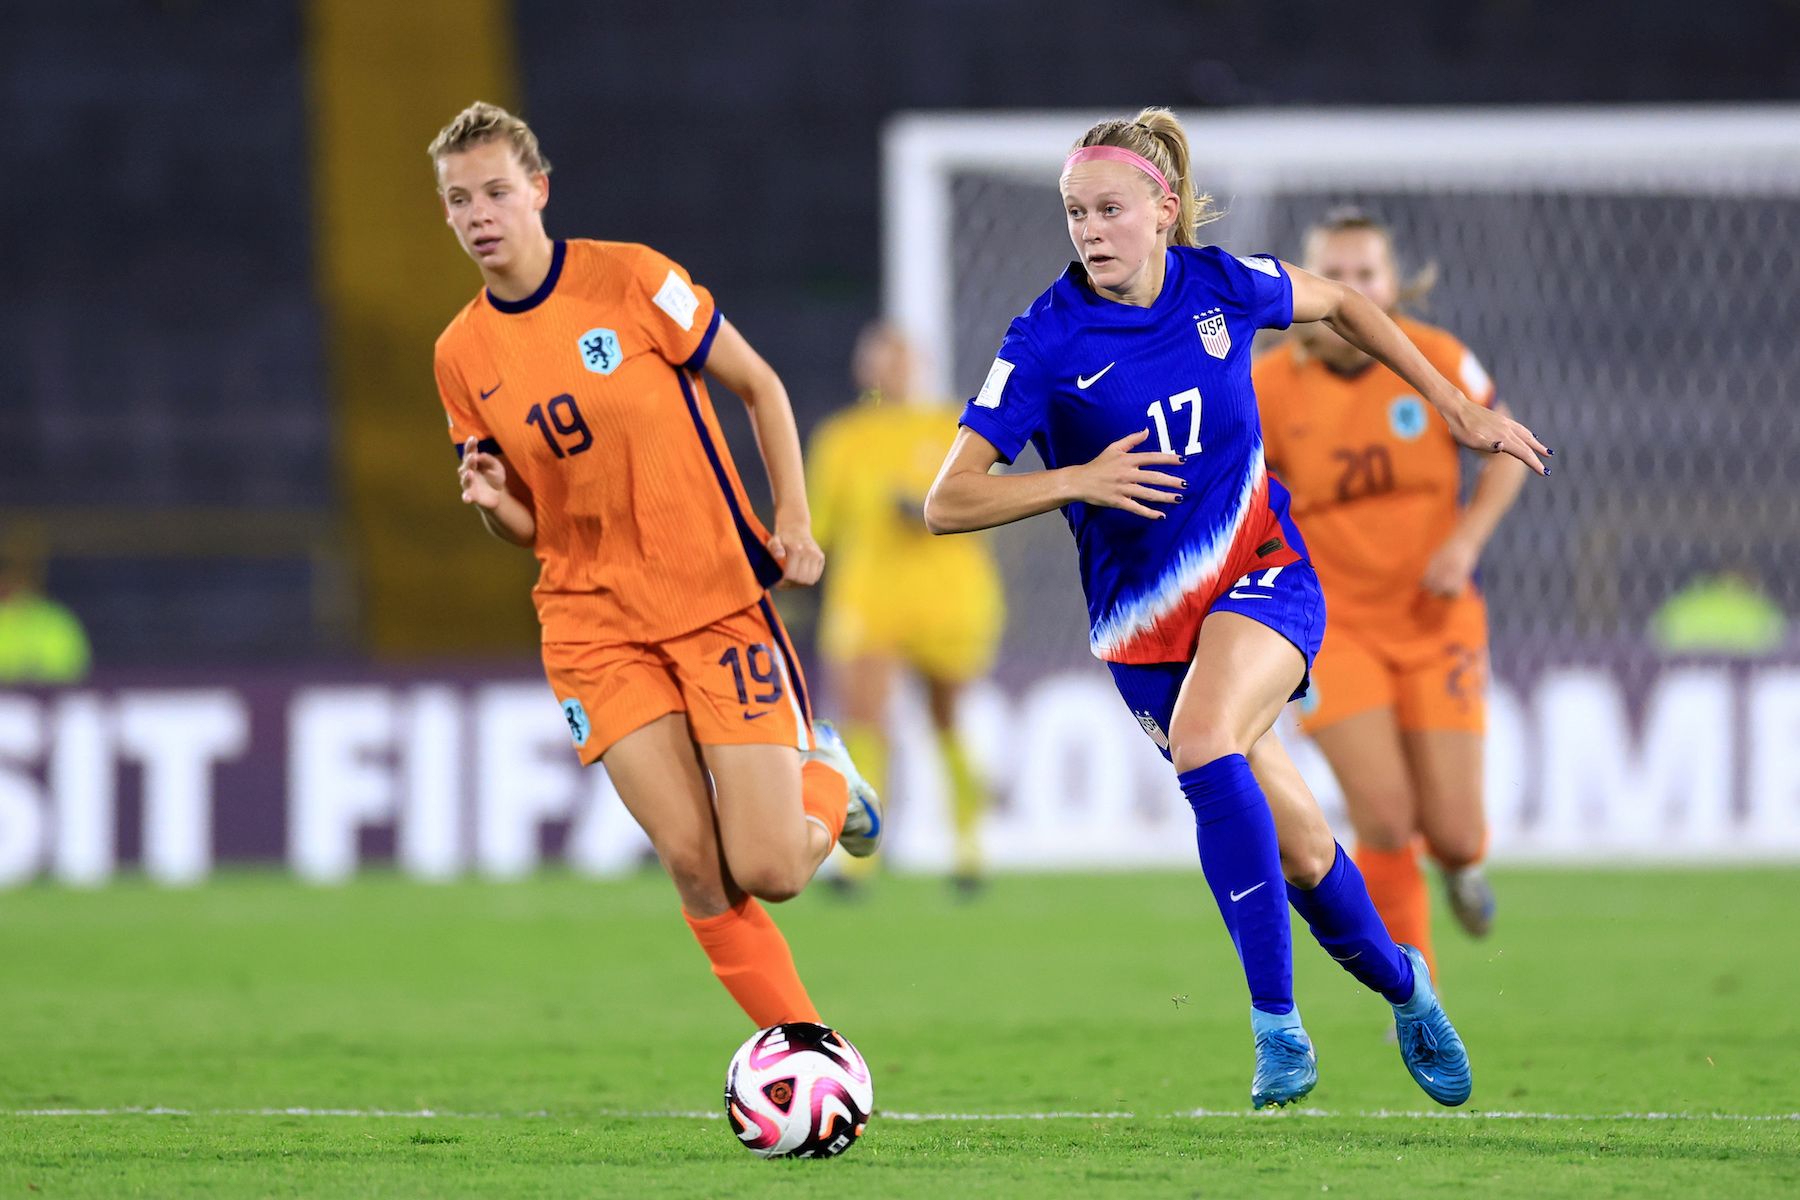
216, 431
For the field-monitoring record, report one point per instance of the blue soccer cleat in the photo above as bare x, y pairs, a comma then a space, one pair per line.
1286, 1067
862, 821
1429, 1045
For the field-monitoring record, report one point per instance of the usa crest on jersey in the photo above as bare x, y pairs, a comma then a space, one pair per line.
1152, 727
1213, 333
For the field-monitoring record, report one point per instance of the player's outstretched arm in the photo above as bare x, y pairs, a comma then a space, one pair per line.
735, 364
1363, 324
485, 485
1453, 564
966, 496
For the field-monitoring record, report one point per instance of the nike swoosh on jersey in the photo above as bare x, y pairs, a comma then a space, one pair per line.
1248, 595
750, 716
1236, 896
1086, 382
486, 392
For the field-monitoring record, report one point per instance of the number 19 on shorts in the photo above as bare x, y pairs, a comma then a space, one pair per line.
1163, 412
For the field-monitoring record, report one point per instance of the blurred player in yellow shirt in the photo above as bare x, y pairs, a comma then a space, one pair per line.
897, 598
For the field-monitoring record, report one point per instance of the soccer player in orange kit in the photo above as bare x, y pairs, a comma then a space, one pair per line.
574, 391
1397, 704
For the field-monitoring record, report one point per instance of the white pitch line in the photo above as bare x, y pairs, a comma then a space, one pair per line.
1196, 1114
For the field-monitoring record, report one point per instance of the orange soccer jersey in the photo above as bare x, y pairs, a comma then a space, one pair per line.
591, 389
1372, 468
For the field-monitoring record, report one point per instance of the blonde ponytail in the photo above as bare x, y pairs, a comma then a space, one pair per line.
1155, 134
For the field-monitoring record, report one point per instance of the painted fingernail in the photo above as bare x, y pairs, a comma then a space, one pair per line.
1181, 460
1546, 471
1549, 451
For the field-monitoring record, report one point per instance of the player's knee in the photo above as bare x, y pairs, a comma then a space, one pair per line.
772, 881
697, 881
1455, 849
1385, 835
1306, 863
1200, 739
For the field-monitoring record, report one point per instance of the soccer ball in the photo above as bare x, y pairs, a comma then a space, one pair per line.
798, 1091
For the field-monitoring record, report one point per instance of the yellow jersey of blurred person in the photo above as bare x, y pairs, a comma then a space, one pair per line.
891, 589
897, 598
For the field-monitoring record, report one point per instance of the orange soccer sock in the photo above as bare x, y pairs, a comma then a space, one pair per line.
753, 961
1397, 887
825, 796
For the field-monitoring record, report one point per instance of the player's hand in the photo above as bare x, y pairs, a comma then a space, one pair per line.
482, 476
1451, 569
1484, 429
1119, 478
800, 557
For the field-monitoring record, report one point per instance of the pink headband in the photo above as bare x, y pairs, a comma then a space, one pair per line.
1117, 154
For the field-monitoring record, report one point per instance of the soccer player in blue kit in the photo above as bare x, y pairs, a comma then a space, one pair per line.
1200, 596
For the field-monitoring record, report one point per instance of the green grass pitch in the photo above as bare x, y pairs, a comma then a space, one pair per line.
544, 1021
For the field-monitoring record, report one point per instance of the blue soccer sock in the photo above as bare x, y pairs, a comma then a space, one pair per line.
1242, 863
1344, 921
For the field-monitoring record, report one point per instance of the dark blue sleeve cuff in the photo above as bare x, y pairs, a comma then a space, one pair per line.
485, 445
697, 359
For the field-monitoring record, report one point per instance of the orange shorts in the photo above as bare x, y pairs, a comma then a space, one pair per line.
736, 679
1431, 668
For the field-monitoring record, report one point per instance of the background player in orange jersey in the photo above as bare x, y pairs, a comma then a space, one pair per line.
1397, 703
574, 391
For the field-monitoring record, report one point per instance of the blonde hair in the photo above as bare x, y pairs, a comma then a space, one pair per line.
1350, 219
481, 123
1155, 134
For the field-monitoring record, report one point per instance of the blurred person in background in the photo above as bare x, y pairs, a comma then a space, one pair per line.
1722, 612
896, 598
41, 641
1399, 689
573, 387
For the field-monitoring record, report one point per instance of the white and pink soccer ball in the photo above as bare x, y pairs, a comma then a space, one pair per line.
798, 1091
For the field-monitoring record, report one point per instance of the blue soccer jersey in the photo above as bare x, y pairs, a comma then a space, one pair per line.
1078, 372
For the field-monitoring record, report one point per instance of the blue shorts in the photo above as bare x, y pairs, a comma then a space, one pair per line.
1286, 599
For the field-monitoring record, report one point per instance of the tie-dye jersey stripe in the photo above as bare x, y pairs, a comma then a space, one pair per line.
1195, 571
